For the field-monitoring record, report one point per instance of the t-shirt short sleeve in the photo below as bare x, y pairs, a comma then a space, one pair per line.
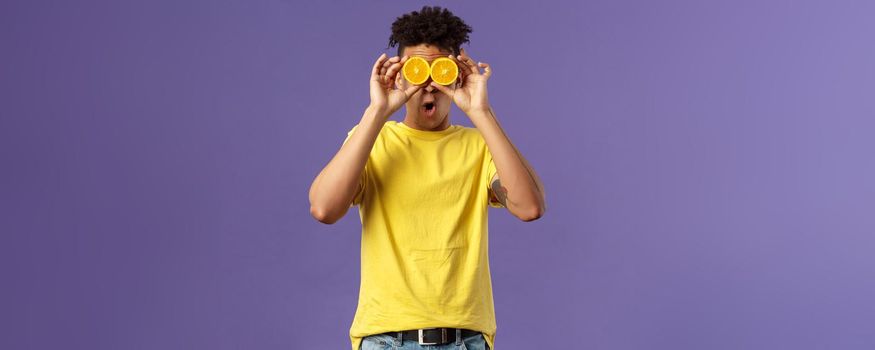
362, 180
491, 171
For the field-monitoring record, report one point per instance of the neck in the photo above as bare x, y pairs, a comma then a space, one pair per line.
409, 121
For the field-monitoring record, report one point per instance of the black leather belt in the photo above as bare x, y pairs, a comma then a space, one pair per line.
432, 336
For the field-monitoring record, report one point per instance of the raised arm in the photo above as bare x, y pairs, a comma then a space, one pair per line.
516, 185
519, 189
334, 189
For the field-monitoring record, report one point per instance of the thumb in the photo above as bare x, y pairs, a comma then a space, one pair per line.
410, 90
442, 88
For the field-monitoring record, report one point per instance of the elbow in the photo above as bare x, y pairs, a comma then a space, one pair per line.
324, 216
531, 214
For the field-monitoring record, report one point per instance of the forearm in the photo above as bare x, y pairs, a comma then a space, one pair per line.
335, 187
525, 192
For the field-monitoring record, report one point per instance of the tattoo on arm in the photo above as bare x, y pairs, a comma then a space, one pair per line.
500, 192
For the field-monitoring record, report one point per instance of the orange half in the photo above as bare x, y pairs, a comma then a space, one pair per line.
416, 70
444, 71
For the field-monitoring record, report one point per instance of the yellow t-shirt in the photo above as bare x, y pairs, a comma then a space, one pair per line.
424, 249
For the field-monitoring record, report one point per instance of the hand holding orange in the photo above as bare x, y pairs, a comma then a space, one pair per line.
471, 95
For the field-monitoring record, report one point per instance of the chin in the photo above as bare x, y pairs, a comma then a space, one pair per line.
429, 123
435, 120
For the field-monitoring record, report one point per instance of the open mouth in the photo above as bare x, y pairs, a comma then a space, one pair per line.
429, 108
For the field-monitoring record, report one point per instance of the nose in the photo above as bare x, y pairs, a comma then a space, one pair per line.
429, 88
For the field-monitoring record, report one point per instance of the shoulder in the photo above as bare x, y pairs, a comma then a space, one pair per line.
470, 133
468, 130
385, 128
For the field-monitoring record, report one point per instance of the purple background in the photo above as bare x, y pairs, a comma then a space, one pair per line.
709, 172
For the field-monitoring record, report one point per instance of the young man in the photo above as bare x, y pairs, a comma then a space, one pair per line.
423, 187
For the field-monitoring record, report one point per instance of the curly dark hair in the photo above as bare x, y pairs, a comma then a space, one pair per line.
431, 25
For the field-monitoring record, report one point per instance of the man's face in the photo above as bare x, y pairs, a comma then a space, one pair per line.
428, 108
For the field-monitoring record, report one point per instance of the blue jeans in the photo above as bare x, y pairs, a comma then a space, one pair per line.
388, 342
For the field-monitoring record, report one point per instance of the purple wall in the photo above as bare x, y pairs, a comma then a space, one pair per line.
709, 170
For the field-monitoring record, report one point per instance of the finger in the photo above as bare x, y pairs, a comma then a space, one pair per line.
470, 63
465, 72
462, 65
392, 76
393, 68
388, 63
393, 71
375, 72
441, 88
412, 89
468, 60
487, 68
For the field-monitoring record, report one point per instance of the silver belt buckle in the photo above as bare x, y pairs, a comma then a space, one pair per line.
443, 336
